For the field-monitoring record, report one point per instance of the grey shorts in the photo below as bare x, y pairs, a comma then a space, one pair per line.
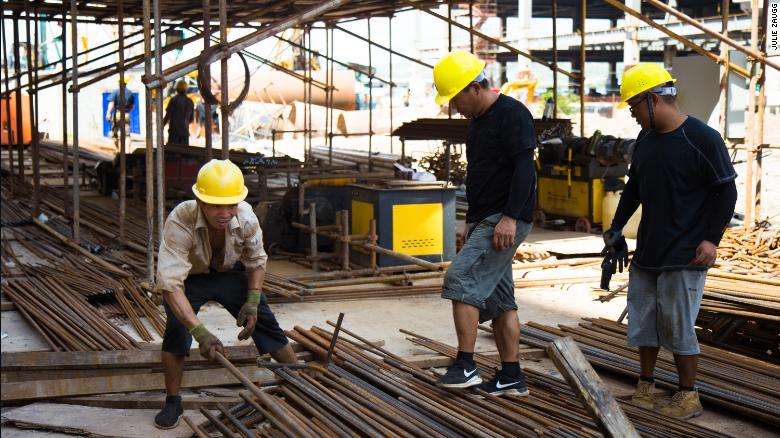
662, 309
481, 276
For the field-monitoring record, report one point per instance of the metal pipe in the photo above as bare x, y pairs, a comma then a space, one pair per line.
159, 171
11, 133
370, 102
583, 18
32, 54
555, 57
149, 157
724, 71
408, 58
76, 164
753, 51
685, 41
120, 6
760, 117
495, 41
65, 182
223, 70
390, 62
750, 120
18, 100
207, 79
242, 43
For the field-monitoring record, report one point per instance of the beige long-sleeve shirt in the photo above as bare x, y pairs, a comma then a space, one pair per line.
185, 247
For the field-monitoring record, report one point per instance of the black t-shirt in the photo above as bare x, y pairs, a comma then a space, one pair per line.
180, 111
675, 176
500, 174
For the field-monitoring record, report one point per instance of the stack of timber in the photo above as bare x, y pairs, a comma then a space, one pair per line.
360, 391
734, 382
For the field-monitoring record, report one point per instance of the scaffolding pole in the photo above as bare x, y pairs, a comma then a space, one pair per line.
147, 14
208, 122
122, 132
74, 12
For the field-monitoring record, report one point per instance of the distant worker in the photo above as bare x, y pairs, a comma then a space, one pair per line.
212, 250
682, 176
179, 113
113, 116
500, 190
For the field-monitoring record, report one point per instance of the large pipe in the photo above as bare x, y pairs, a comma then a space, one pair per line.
75, 80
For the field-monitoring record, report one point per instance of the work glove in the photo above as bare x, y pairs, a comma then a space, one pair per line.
247, 316
615, 250
615, 254
207, 342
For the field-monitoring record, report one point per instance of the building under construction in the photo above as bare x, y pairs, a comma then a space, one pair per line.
360, 163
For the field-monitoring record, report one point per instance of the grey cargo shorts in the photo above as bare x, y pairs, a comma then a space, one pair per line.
481, 276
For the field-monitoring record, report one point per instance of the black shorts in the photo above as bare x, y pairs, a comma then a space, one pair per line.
230, 290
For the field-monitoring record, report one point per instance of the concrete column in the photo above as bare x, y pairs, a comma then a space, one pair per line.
524, 10
631, 44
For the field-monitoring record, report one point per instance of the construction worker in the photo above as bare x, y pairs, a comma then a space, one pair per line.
113, 116
500, 189
682, 175
212, 250
179, 113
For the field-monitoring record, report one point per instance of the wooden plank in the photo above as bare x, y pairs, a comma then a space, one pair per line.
598, 400
435, 360
146, 357
45, 389
128, 401
7, 305
143, 358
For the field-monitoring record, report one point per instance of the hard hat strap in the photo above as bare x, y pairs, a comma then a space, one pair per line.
650, 112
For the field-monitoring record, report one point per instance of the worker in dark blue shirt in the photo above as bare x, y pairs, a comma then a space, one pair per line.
113, 116
682, 175
179, 113
500, 190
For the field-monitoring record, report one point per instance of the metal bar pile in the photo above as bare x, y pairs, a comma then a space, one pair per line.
751, 252
372, 392
61, 289
732, 381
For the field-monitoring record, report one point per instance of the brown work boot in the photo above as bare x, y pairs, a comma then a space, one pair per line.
643, 395
683, 405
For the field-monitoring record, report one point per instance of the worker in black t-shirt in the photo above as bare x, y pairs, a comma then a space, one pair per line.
179, 113
682, 175
500, 190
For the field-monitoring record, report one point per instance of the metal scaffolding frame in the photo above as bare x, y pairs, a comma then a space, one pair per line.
269, 19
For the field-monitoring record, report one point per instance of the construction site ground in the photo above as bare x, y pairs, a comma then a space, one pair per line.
376, 319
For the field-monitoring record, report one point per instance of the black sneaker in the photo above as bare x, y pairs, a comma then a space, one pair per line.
503, 385
460, 375
170, 415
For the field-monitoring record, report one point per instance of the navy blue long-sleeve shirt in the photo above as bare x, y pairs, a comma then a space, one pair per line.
500, 173
684, 180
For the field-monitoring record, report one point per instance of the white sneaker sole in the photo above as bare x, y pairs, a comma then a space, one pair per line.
476, 380
511, 392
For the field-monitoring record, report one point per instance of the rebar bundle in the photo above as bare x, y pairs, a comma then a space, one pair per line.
732, 381
367, 391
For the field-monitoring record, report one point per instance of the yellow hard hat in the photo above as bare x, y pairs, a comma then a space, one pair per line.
640, 78
220, 182
453, 73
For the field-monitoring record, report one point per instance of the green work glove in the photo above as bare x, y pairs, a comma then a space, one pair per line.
247, 316
207, 342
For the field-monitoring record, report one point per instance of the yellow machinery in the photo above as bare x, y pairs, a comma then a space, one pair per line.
574, 175
416, 221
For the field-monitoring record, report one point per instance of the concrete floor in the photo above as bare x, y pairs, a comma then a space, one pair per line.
373, 319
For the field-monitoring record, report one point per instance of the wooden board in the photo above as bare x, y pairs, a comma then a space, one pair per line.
45, 389
126, 401
147, 357
598, 400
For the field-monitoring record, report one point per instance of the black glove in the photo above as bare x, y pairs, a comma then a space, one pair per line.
615, 250
615, 254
